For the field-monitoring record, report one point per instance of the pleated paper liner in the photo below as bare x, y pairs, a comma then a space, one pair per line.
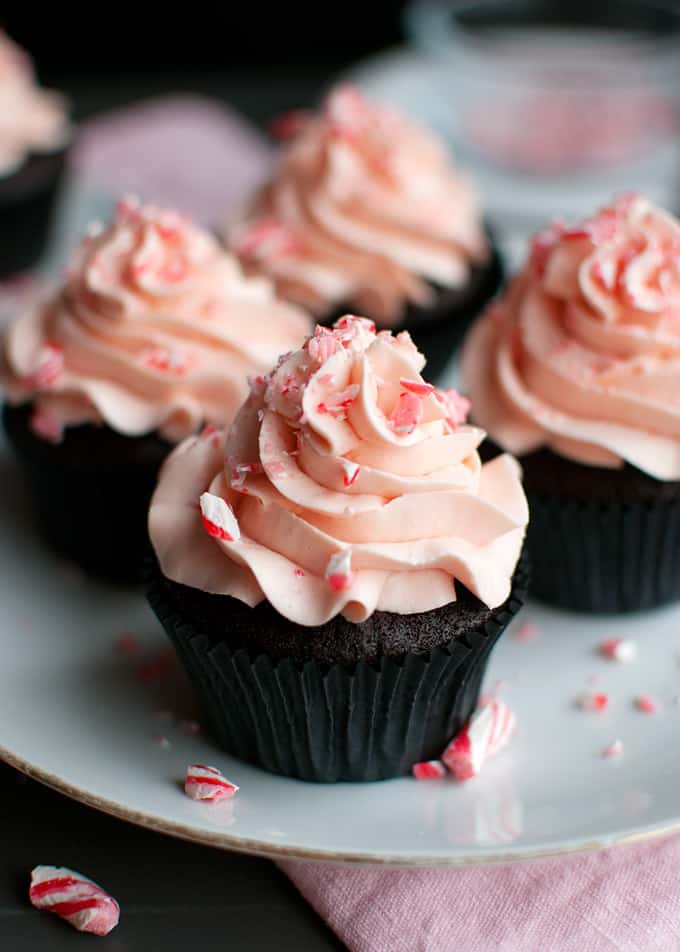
604, 557
332, 722
439, 329
91, 492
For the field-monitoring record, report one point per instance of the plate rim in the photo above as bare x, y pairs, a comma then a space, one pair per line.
280, 853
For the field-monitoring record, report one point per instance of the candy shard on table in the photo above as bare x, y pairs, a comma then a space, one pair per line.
75, 898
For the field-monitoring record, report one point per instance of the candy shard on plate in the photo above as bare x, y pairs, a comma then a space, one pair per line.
207, 784
614, 750
218, 518
527, 631
485, 734
429, 770
75, 898
593, 701
646, 703
618, 649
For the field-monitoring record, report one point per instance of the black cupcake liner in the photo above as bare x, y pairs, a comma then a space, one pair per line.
91, 492
27, 202
603, 557
326, 722
438, 330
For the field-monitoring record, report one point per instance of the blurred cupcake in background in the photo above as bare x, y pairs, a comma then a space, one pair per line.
335, 569
151, 337
367, 213
577, 372
34, 135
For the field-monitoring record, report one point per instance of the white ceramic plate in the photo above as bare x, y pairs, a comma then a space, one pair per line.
77, 716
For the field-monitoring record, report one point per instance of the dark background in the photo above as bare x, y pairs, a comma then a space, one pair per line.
107, 55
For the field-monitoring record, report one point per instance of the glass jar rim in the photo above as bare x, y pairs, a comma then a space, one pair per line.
439, 26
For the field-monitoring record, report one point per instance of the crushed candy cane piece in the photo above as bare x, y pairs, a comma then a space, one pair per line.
406, 414
218, 518
350, 472
299, 573
419, 387
618, 649
527, 631
207, 783
167, 361
275, 469
614, 750
266, 238
646, 704
455, 406
75, 898
339, 573
593, 701
484, 735
429, 770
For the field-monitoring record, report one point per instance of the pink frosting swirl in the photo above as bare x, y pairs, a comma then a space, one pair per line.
155, 328
350, 486
583, 354
364, 210
31, 119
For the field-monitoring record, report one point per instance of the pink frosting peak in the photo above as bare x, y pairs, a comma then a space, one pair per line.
31, 119
364, 210
583, 353
155, 328
352, 485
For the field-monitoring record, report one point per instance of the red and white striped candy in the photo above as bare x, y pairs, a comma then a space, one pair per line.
419, 387
619, 649
429, 770
339, 573
350, 471
406, 414
218, 518
207, 783
485, 734
75, 898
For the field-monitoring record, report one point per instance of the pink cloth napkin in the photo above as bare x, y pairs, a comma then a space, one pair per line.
200, 157
625, 899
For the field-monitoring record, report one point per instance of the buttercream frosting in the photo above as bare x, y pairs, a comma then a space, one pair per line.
32, 119
346, 485
583, 353
365, 210
155, 328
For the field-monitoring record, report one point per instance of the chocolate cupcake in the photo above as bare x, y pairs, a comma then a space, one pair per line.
150, 338
366, 213
34, 134
335, 587
577, 372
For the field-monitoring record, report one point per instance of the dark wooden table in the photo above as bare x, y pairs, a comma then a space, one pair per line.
174, 896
